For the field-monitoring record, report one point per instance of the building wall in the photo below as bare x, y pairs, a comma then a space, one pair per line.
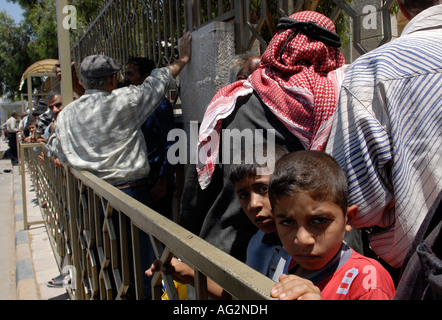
372, 29
6, 108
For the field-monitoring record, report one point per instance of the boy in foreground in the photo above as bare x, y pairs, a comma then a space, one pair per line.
308, 192
265, 252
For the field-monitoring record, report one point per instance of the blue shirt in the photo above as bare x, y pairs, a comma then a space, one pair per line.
266, 254
155, 131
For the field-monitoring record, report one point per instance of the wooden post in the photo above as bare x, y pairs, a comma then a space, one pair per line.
64, 55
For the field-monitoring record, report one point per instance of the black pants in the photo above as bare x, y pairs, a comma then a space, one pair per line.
12, 142
421, 278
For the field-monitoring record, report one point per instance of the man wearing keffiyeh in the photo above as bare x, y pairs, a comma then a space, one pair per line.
294, 91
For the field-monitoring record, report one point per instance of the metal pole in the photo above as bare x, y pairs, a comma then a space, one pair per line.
64, 54
29, 83
23, 185
74, 237
23, 109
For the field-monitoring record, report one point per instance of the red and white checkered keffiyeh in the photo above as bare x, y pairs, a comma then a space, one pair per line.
299, 91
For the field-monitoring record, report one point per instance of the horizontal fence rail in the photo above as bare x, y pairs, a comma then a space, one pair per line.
96, 226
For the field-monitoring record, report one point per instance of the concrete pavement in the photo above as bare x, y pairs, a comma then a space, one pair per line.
7, 233
27, 260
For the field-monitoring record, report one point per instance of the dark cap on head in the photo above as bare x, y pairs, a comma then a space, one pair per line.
42, 105
97, 66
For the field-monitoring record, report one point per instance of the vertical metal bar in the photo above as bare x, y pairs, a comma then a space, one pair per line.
197, 13
124, 254
164, 256
151, 30
201, 286
131, 33
220, 7
75, 246
209, 10
110, 21
23, 109
190, 6
157, 288
240, 34
125, 41
386, 21
29, 84
143, 46
171, 28
126, 13
158, 29
178, 20
186, 18
137, 30
138, 272
23, 187
165, 38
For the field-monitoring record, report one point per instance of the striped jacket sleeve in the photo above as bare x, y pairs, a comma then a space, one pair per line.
387, 137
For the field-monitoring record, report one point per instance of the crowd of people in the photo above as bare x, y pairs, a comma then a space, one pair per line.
25, 126
349, 208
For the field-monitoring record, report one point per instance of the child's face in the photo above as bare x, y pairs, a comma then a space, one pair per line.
311, 231
252, 192
31, 127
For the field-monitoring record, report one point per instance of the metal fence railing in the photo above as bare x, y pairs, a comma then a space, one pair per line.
152, 28
96, 226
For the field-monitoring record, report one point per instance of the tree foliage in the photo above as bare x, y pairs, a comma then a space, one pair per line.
41, 19
35, 38
13, 54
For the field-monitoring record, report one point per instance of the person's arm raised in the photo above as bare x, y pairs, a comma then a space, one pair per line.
185, 53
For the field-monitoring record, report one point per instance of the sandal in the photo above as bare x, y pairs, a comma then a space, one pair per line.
56, 282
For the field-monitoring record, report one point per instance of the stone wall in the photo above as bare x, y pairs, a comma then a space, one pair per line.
213, 50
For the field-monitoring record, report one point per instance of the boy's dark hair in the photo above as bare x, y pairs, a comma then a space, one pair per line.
145, 65
243, 169
415, 7
314, 172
